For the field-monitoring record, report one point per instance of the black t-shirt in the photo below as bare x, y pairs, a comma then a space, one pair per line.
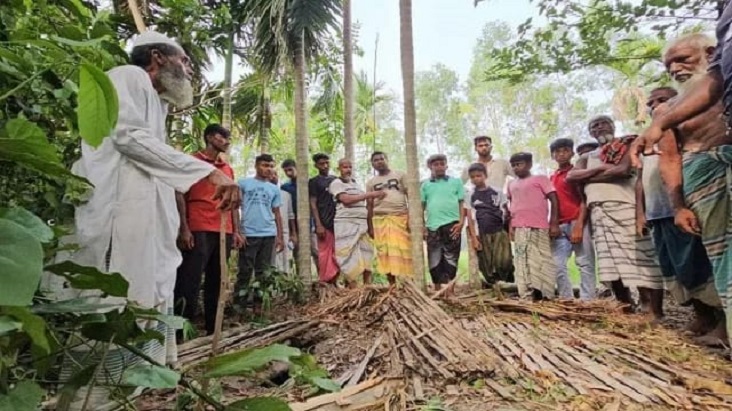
318, 188
487, 205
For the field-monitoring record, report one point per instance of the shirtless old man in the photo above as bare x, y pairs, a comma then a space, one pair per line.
695, 186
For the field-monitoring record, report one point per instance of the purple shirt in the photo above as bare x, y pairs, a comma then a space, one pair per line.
529, 205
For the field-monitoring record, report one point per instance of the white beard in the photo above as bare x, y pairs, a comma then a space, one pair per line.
178, 89
689, 84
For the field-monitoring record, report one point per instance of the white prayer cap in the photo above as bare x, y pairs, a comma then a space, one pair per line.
153, 37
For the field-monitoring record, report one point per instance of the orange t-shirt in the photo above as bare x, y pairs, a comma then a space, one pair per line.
200, 208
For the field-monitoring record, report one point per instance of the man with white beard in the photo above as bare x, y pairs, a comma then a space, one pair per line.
131, 222
695, 185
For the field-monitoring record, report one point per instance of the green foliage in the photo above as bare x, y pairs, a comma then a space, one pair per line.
43, 46
89, 278
24, 144
272, 284
259, 404
32, 224
247, 361
26, 396
305, 370
21, 262
98, 105
150, 376
585, 34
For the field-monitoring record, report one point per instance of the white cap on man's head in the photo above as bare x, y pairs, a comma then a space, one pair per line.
153, 37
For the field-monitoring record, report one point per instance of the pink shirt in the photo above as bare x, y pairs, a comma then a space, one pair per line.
529, 206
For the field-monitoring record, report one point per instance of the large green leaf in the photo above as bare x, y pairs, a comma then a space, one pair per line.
30, 221
150, 376
26, 396
172, 321
325, 384
24, 143
246, 361
98, 105
34, 326
75, 43
259, 404
118, 327
89, 278
8, 325
21, 264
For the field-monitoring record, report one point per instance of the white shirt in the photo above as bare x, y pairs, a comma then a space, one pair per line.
132, 213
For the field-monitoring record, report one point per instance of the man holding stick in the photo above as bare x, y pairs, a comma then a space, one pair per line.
131, 222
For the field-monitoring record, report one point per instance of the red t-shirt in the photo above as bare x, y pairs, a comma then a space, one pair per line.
201, 209
568, 195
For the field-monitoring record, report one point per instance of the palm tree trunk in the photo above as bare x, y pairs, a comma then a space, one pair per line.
265, 119
416, 214
348, 96
302, 148
228, 68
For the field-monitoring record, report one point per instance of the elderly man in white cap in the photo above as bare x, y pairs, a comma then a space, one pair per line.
131, 222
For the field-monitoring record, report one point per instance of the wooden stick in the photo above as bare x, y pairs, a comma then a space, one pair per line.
444, 289
137, 15
223, 285
358, 373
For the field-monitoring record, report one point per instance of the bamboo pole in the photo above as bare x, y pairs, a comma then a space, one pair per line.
137, 15
223, 286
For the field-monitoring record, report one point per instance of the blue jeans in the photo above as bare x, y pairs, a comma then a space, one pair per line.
584, 254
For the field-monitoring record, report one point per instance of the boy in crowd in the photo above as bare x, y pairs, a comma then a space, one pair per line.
442, 200
323, 210
198, 239
574, 232
531, 232
486, 209
261, 228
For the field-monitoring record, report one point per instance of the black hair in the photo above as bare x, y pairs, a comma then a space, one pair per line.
666, 88
378, 153
522, 156
320, 156
477, 167
436, 157
561, 143
478, 139
264, 158
213, 129
288, 163
141, 56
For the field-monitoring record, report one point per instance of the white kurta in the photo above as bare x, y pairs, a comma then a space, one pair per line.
132, 213
281, 260
131, 219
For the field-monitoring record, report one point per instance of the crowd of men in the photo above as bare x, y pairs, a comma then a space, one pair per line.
634, 227
678, 170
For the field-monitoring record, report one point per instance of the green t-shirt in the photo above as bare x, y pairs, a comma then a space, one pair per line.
442, 199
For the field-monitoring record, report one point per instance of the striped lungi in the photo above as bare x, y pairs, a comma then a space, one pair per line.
621, 254
393, 245
112, 362
535, 266
708, 192
354, 250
